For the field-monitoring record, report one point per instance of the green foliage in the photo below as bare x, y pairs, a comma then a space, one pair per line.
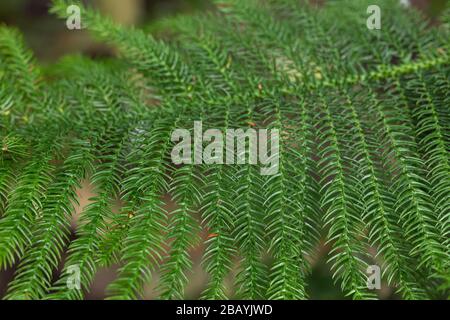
364, 153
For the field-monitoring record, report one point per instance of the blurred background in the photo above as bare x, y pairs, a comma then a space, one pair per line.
49, 39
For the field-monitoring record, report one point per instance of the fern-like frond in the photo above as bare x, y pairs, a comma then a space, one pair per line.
414, 204
22, 73
51, 231
362, 161
24, 202
146, 183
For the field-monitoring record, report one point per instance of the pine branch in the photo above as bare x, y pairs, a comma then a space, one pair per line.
146, 183
152, 57
51, 232
377, 200
106, 179
25, 201
342, 204
414, 203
